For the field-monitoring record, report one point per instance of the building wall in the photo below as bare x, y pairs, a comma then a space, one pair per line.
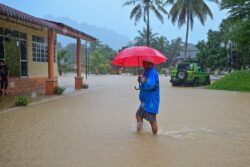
27, 86
35, 69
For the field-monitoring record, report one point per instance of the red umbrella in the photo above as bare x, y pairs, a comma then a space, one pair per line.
133, 56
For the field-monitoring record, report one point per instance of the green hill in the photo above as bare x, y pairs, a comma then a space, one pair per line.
236, 81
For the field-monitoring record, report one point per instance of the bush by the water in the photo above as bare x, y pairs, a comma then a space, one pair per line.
237, 81
22, 100
85, 86
59, 90
163, 71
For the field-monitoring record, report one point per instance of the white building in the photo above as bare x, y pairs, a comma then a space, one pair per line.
191, 53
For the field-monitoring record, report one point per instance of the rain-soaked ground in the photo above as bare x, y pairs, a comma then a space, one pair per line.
96, 128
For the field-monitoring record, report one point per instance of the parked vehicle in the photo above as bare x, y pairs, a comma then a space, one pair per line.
189, 73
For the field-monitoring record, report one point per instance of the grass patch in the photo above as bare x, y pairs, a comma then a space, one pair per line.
236, 81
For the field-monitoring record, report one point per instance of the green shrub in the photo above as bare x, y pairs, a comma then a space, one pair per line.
236, 81
59, 90
22, 100
163, 71
104, 68
85, 86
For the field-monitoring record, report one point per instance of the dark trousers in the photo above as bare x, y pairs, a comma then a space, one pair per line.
4, 83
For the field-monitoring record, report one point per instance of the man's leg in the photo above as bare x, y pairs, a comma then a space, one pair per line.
5, 86
139, 121
2, 87
154, 127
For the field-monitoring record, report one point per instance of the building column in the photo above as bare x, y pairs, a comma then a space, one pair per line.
51, 83
78, 78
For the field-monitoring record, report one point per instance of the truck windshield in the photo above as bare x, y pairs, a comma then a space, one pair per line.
186, 66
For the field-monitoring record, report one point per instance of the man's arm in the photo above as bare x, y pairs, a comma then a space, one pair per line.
149, 83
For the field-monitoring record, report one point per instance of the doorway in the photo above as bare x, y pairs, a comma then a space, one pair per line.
15, 52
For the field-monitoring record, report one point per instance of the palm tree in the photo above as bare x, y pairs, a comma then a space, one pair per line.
184, 11
162, 44
141, 39
237, 9
236, 27
62, 59
142, 8
175, 48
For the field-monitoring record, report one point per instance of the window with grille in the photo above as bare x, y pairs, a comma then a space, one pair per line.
39, 49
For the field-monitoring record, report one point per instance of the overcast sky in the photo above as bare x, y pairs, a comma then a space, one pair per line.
110, 14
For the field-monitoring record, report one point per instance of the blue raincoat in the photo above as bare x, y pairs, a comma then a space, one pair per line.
149, 92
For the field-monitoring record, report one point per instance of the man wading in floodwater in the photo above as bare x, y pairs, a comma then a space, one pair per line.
149, 95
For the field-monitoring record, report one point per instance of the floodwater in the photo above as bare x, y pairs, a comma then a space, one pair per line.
96, 128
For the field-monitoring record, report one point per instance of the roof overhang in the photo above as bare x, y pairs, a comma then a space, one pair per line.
20, 17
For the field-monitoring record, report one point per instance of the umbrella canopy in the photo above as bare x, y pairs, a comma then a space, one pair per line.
133, 56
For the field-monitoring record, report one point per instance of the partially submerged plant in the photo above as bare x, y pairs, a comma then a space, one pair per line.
85, 86
59, 90
22, 100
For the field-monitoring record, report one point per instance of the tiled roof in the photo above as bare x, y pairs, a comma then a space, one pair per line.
56, 26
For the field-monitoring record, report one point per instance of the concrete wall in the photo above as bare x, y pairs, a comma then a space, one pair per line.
35, 69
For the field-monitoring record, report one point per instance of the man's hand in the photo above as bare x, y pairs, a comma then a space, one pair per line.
141, 78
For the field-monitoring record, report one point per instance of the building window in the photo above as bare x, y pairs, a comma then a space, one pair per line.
24, 67
23, 50
11, 33
24, 60
1, 47
1, 31
40, 49
22, 35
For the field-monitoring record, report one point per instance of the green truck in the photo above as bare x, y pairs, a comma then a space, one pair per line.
189, 73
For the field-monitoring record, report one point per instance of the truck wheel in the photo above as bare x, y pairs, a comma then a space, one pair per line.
182, 74
174, 84
196, 82
208, 82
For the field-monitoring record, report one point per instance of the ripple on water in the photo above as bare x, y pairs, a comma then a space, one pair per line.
183, 133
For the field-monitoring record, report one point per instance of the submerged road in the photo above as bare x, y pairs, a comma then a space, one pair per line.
96, 128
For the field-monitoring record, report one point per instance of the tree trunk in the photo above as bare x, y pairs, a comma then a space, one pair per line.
186, 40
60, 70
148, 27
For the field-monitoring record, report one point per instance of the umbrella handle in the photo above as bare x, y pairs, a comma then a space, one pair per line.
138, 87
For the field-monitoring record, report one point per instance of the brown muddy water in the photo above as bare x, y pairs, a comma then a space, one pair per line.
96, 128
